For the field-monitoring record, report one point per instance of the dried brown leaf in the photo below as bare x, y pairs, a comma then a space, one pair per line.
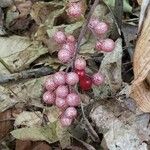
141, 66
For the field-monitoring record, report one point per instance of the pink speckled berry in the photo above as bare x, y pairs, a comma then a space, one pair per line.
62, 91
64, 55
108, 45
69, 47
59, 78
97, 79
74, 10
70, 112
72, 78
61, 103
93, 23
49, 97
71, 39
65, 122
101, 28
60, 37
98, 45
50, 84
80, 64
73, 99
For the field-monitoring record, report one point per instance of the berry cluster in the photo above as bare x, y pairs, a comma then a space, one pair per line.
60, 87
60, 93
99, 29
85, 81
68, 46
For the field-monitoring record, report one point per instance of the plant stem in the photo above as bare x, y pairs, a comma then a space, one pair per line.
83, 31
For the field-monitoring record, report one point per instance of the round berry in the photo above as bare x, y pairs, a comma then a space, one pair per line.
101, 28
72, 78
61, 103
49, 97
64, 55
60, 78
108, 45
70, 112
71, 39
60, 37
74, 10
62, 91
86, 83
50, 84
80, 64
65, 122
98, 45
69, 47
93, 23
81, 73
97, 79
73, 99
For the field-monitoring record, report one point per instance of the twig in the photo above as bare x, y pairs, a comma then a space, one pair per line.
83, 31
32, 73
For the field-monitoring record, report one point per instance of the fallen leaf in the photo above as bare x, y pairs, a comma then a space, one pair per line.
141, 66
126, 6
29, 119
45, 13
111, 67
19, 52
46, 133
29, 145
6, 123
7, 99
63, 136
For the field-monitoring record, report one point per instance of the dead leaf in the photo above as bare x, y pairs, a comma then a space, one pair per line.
19, 52
6, 3
46, 133
29, 119
141, 67
28, 145
111, 67
6, 123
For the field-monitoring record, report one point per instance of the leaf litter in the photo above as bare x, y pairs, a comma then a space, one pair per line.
30, 26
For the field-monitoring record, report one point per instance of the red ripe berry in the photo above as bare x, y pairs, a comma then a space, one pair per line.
70, 112
50, 84
108, 45
73, 99
101, 28
80, 64
60, 37
59, 78
74, 10
61, 103
48, 97
65, 122
81, 73
64, 55
72, 78
62, 91
97, 79
86, 83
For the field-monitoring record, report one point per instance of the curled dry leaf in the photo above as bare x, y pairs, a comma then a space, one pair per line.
141, 67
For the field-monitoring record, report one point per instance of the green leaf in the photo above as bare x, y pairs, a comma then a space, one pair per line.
46, 133
126, 6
